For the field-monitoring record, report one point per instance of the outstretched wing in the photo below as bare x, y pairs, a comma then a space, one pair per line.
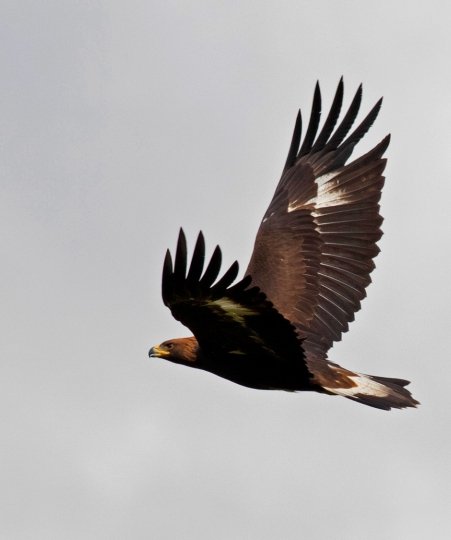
225, 319
314, 250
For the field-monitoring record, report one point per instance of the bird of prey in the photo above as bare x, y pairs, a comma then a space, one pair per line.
311, 263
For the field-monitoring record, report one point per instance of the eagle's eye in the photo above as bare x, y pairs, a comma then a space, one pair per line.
169, 346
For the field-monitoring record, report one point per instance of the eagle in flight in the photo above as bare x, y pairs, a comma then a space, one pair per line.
311, 263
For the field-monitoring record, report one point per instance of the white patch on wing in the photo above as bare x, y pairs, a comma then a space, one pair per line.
327, 195
329, 198
233, 309
365, 386
321, 180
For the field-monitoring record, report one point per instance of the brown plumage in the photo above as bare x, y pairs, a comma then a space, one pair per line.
309, 269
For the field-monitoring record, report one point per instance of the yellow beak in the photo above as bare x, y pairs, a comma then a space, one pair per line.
158, 352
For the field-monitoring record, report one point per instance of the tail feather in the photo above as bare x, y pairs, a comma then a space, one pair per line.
380, 392
390, 380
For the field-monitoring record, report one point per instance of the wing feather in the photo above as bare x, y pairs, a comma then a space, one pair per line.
313, 124
180, 258
198, 260
213, 268
314, 250
331, 120
346, 123
295, 141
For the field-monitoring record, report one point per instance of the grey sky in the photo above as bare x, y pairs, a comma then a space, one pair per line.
122, 121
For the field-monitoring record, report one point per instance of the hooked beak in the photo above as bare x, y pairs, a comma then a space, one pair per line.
157, 352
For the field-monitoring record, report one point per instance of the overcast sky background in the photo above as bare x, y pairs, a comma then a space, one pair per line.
122, 121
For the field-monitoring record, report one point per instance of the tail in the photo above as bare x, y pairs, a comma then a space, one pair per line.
380, 392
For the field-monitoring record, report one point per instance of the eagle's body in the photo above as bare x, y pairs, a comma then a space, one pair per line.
311, 263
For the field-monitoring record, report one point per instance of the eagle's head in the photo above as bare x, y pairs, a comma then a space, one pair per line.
177, 350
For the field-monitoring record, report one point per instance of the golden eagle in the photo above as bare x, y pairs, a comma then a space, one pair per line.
311, 264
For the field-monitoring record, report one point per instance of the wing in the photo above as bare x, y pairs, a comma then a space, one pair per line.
314, 250
224, 318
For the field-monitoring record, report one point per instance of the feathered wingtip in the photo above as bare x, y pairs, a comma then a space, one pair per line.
179, 277
328, 140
